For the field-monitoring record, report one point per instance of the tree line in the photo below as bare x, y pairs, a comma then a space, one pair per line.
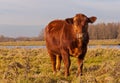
97, 31
104, 31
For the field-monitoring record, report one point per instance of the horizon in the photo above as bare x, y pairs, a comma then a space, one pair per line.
15, 31
21, 29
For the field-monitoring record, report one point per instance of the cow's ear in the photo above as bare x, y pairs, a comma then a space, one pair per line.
92, 19
69, 20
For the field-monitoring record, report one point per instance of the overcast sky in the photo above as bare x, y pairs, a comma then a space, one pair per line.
40, 12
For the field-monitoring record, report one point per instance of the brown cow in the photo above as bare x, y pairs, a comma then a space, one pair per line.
65, 38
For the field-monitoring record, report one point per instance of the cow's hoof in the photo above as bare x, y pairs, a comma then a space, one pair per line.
54, 73
66, 75
79, 74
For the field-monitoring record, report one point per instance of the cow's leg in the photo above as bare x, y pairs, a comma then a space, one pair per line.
80, 62
58, 62
53, 60
80, 66
66, 60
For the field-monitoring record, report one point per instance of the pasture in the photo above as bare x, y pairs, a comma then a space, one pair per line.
21, 65
41, 43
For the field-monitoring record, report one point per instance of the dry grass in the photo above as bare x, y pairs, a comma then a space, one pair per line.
23, 43
105, 42
19, 65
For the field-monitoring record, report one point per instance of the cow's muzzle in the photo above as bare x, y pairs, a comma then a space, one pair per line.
82, 36
79, 35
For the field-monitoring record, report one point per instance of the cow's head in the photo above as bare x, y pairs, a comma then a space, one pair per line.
80, 24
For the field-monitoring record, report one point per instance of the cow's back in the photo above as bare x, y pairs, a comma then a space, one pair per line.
52, 35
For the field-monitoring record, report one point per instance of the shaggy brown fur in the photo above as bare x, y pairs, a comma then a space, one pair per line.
65, 38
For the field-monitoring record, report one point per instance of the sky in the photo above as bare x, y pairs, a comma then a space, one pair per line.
38, 13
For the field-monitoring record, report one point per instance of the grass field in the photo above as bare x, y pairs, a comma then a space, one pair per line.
40, 43
105, 42
19, 65
23, 43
